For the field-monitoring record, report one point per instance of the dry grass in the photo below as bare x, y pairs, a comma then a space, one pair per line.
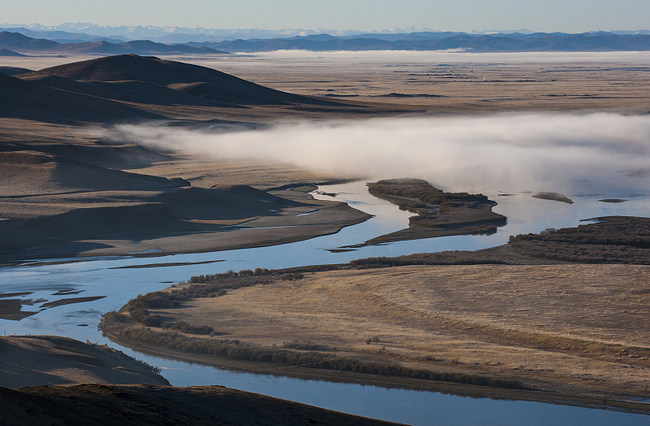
569, 328
447, 83
455, 83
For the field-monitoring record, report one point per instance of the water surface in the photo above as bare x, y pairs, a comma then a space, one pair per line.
108, 277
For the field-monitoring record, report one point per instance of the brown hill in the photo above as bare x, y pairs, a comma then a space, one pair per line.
127, 91
194, 80
33, 101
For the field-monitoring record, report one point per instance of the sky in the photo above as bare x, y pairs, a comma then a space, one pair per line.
365, 15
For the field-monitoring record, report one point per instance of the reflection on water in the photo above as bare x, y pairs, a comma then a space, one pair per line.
111, 277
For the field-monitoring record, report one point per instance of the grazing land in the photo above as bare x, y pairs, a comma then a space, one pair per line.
452, 83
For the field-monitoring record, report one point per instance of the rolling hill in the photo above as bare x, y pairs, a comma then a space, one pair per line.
34, 101
96, 90
156, 81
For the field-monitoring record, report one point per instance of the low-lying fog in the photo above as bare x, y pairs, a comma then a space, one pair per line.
601, 154
455, 56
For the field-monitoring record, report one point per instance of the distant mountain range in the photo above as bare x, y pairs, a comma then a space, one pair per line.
500, 42
14, 41
78, 32
516, 42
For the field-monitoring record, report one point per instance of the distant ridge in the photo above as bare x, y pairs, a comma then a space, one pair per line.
9, 40
75, 32
601, 41
7, 52
515, 42
18, 41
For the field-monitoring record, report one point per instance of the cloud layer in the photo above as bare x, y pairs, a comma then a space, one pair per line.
575, 154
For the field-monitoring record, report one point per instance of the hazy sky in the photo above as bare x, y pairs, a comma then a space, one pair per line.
458, 15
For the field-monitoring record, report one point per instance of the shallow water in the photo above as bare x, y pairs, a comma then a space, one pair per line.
99, 277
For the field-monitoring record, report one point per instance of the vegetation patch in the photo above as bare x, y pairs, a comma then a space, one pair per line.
437, 213
613, 239
233, 349
135, 323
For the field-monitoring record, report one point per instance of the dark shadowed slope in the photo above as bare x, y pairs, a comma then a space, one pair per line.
33, 101
14, 70
197, 81
128, 91
53, 360
159, 405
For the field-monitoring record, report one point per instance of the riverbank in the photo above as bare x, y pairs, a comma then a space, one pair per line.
539, 324
144, 214
390, 382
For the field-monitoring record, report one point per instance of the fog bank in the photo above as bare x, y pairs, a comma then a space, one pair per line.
459, 56
600, 153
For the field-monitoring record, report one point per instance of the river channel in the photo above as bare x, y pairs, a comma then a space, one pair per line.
106, 277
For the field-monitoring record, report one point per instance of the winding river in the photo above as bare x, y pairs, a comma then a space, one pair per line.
107, 278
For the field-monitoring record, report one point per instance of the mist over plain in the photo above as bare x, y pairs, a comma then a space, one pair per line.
601, 154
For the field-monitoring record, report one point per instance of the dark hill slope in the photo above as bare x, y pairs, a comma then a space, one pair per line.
159, 405
128, 91
190, 79
33, 101
14, 70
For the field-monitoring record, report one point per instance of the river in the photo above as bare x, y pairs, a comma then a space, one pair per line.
105, 277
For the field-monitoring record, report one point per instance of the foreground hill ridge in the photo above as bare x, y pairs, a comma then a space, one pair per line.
159, 405
61, 381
